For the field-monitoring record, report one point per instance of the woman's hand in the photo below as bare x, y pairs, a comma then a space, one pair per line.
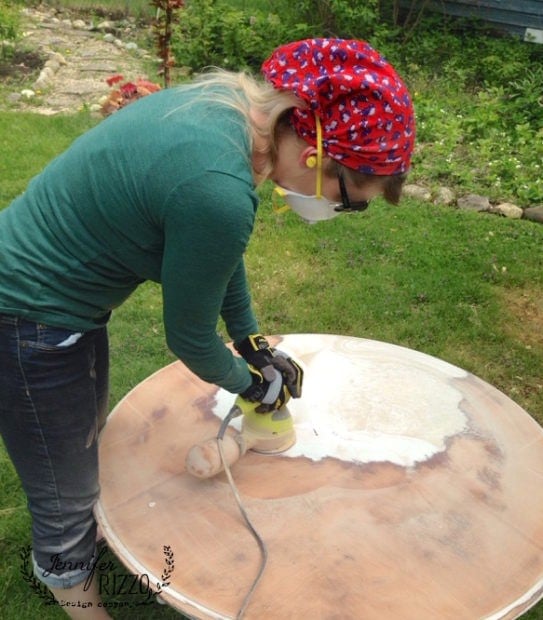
276, 376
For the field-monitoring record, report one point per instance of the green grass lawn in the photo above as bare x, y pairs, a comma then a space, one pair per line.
464, 287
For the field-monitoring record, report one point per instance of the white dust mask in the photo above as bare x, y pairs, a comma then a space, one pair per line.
310, 208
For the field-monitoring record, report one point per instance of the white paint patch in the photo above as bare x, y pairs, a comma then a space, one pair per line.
366, 401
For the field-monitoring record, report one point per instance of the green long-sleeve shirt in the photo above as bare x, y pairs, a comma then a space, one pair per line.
159, 191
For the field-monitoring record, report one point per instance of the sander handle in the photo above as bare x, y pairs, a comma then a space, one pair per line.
204, 460
268, 433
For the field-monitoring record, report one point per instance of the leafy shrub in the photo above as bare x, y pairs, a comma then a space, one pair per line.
125, 92
9, 25
525, 95
213, 32
341, 18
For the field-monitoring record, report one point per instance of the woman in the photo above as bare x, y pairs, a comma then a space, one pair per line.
164, 190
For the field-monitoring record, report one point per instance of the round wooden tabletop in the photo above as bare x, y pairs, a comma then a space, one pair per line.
414, 492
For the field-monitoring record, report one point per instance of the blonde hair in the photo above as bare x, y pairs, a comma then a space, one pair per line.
243, 92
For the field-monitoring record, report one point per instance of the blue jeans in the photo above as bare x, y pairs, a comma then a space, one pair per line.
53, 402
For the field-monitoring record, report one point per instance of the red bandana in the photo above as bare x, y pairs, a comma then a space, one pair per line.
365, 109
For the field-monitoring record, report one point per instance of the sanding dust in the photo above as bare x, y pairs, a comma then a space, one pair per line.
371, 402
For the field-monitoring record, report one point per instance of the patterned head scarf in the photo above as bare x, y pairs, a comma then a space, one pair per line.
365, 109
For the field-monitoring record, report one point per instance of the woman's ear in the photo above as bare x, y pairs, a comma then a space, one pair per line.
308, 157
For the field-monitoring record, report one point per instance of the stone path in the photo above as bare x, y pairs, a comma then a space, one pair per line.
80, 57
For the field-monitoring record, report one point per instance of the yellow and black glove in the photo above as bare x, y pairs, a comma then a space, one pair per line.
276, 376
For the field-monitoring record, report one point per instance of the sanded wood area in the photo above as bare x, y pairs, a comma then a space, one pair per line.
414, 491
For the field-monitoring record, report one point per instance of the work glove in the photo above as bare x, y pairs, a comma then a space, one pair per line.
267, 361
270, 393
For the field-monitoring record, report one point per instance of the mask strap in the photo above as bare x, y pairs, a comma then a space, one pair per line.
278, 197
318, 193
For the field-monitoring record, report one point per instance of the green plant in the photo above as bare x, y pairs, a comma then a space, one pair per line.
408, 16
9, 26
197, 43
473, 143
166, 15
341, 18
127, 92
212, 33
526, 95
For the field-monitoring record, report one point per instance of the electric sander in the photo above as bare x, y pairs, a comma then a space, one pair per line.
266, 433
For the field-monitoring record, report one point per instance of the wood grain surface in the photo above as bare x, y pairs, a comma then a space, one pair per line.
414, 492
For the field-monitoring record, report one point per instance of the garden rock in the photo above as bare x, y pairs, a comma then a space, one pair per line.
507, 210
534, 214
473, 202
417, 191
79, 24
107, 26
444, 196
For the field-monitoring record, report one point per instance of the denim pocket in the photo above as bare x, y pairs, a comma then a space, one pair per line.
47, 337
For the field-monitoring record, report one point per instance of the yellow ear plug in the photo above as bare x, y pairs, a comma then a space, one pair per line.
311, 161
